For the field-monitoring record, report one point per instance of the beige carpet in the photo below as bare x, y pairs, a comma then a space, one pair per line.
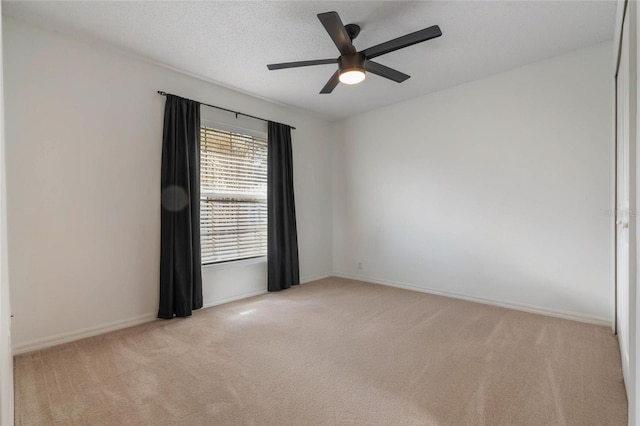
332, 352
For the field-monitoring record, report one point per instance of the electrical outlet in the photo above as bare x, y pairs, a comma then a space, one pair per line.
359, 266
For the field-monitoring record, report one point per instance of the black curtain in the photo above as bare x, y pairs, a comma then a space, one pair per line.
180, 268
282, 237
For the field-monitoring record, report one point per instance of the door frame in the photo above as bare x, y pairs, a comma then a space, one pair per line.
627, 17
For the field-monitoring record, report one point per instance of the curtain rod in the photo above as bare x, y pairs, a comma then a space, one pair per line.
237, 113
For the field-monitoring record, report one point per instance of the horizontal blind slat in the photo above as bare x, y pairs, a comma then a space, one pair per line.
232, 166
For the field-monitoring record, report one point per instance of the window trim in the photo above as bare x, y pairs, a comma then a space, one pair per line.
232, 263
215, 125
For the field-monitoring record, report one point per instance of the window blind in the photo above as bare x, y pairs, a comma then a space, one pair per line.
233, 197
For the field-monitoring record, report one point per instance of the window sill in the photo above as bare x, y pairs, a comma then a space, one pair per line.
235, 263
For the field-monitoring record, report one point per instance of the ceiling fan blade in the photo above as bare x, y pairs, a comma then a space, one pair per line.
332, 83
386, 72
301, 64
334, 26
402, 42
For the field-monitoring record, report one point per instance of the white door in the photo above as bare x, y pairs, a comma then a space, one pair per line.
622, 204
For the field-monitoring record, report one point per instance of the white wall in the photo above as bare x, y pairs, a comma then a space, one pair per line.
494, 190
84, 134
6, 360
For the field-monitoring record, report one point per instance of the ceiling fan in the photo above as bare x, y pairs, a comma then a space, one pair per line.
353, 64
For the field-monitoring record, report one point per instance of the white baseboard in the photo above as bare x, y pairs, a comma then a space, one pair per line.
58, 339
509, 305
311, 278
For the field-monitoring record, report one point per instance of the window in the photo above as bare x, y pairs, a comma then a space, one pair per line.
233, 198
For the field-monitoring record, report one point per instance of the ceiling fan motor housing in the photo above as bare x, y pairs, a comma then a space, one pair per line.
351, 62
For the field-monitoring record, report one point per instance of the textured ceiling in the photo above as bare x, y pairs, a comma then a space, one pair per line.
231, 42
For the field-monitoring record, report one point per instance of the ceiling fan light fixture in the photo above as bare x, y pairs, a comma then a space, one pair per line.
351, 68
352, 76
